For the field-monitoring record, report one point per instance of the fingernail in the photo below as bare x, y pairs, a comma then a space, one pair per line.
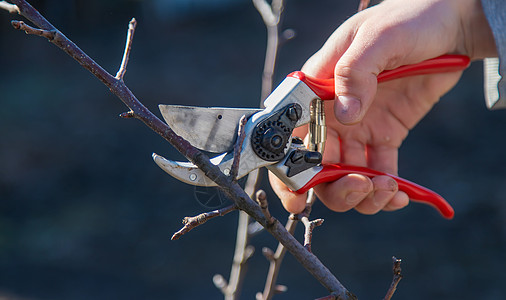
354, 198
348, 109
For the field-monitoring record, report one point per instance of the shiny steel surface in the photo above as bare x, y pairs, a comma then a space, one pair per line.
212, 129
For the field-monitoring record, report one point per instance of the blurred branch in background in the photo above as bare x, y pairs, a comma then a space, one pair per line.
363, 4
13, 9
272, 16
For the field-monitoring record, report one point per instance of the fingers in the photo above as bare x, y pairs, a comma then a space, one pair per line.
383, 158
384, 197
345, 193
367, 196
398, 201
292, 202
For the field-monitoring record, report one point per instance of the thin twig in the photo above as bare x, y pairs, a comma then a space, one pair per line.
275, 261
310, 226
304, 218
271, 14
396, 269
20, 25
312, 264
238, 148
128, 47
192, 222
13, 9
329, 297
266, 12
243, 251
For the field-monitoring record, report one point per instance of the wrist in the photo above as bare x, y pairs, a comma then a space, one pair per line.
478, 40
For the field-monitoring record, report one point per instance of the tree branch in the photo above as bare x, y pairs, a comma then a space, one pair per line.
231, 189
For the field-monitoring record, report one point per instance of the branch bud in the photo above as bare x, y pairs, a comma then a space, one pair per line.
219, 281
127, 115
268, 253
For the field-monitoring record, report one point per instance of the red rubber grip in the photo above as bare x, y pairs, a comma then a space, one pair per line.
325, 88
415, 192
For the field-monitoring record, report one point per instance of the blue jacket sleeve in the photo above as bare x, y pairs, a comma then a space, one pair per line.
495, 68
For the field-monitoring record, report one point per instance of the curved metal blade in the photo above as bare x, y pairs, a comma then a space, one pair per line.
186, 171
191, 174
212, 129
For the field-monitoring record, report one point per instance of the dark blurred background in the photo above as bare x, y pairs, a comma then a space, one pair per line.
86, 214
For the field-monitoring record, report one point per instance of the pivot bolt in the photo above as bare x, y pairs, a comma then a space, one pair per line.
272, 140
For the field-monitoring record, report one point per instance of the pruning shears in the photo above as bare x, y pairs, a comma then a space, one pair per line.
267, 137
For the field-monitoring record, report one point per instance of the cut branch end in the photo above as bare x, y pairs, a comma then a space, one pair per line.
396, 270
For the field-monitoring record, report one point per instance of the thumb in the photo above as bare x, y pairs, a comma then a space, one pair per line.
352, 58
355, 77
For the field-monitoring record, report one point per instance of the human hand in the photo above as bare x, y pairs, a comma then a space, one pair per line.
373, 120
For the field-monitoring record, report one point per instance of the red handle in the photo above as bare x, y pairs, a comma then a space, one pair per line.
414, 191
324, 88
